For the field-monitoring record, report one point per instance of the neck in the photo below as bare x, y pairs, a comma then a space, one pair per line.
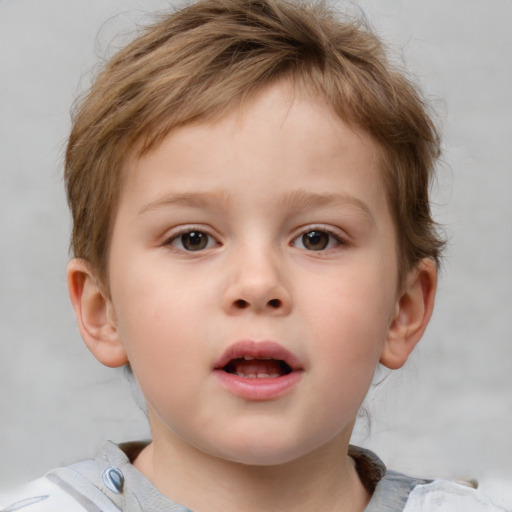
323, 480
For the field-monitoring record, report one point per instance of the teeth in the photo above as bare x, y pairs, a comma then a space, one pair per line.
258, 375
248, 358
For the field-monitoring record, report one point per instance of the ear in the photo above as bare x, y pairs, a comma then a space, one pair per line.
412, 314
95, 314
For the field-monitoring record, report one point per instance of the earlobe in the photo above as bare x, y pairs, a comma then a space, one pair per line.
412, 314
95, 314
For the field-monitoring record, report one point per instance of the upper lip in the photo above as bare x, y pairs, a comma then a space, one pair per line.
258, 350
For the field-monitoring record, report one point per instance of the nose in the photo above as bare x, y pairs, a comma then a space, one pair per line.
256, 283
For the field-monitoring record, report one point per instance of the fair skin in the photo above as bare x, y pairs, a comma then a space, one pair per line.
266, 235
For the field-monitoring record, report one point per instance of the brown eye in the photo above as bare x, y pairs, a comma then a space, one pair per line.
315, 240
193, 241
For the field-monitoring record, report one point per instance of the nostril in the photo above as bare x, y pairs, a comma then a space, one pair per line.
272, 304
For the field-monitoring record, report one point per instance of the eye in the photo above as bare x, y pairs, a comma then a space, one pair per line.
192, 240
317, 240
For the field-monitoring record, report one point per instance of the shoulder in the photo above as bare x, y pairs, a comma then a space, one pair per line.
395, 492
61, 490
446, 496
41, 495
107, 483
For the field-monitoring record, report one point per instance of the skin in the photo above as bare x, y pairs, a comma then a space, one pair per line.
254, 183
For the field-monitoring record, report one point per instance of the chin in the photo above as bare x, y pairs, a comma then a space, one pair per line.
265, 450
261, 458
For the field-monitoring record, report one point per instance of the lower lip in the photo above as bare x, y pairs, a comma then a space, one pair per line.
258, 389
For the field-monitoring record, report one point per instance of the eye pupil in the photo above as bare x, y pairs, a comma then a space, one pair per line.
194, 240
315, 240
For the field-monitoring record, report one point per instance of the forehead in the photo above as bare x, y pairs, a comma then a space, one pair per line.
278, 133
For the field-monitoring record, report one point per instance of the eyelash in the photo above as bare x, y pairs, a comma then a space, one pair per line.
206, 241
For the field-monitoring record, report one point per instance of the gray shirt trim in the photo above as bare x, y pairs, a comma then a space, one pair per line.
390, 490
80, 498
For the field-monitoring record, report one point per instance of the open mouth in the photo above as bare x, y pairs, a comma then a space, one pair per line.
258, 360
257, 368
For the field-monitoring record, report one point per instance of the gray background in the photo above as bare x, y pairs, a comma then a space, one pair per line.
448, 413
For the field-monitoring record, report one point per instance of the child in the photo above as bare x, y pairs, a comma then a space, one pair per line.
252, 236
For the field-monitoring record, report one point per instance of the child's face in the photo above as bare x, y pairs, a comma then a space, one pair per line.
266, 234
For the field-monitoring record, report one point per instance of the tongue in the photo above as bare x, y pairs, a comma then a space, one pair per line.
257, 368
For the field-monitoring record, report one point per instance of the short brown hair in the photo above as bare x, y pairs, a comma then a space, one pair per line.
201, 61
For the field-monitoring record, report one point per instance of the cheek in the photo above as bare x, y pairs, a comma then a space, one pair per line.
350, 324
155, 323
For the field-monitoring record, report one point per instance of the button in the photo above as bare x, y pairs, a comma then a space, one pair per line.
114, 480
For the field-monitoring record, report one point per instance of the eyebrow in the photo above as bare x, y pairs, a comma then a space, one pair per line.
295, 199
304, 199
188, 200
